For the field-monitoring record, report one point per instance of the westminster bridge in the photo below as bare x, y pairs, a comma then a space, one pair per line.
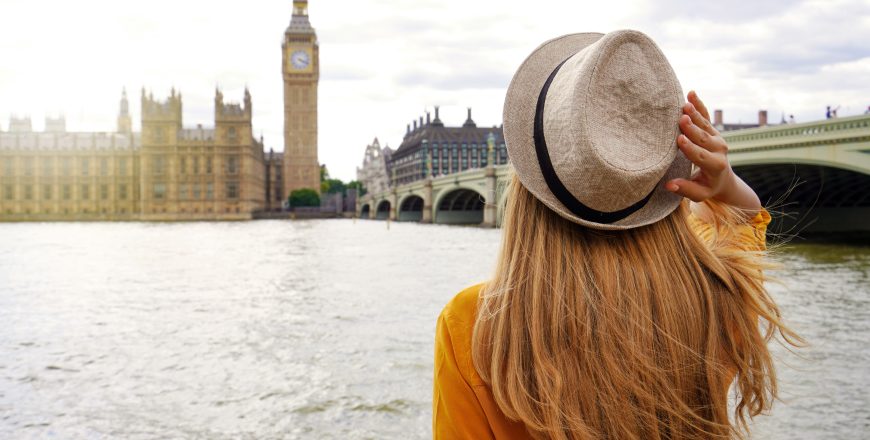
814, 177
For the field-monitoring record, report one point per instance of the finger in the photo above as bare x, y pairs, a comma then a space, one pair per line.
689, 189
699, 119
696, 101
706, 160
699, 136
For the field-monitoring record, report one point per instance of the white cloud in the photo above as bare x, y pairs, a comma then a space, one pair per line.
788, 59
384, 62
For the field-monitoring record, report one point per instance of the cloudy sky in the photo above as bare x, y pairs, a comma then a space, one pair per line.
385, 62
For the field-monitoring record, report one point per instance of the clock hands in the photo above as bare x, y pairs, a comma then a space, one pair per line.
299, 59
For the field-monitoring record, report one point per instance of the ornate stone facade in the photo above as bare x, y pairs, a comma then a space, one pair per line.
431, 149
301, 71
374, 173
165, 172
275, 198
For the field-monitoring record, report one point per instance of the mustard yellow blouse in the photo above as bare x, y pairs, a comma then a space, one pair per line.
462, 404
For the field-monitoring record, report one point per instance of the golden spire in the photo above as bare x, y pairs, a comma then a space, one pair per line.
300, 7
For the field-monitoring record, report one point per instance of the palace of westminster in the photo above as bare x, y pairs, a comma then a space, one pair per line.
167, 171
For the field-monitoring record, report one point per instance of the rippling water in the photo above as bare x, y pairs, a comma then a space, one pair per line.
314, 329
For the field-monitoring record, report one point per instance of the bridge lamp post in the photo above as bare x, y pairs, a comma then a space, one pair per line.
490, 150
427, 186
489, 208
427, 165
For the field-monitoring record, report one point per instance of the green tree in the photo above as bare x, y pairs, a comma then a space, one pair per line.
328, 185
303, 197
332, 186
361, 190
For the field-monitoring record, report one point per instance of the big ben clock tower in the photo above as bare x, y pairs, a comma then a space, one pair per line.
301, 71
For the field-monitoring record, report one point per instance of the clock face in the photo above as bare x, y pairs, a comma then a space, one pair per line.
300, 59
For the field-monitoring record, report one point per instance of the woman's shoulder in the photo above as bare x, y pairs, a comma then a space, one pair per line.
464, 304
455, 330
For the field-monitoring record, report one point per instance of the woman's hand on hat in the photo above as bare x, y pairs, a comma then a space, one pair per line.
704, 146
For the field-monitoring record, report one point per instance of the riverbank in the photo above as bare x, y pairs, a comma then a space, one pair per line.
300, 214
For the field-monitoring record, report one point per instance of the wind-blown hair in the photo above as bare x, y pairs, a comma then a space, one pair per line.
634, 334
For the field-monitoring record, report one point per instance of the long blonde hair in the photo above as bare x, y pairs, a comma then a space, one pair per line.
587, 334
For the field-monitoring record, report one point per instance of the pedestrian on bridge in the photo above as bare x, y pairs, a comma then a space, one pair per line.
628, 291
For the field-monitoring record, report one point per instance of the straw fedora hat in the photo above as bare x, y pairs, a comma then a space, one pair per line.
590, 123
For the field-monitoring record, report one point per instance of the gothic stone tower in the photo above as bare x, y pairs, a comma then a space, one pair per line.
161, 124
301, 71
125, 122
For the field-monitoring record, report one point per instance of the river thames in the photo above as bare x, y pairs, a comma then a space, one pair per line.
317, 329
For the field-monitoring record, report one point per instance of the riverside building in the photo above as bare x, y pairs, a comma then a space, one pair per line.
168, 171
164, 172
430, 148
375, 173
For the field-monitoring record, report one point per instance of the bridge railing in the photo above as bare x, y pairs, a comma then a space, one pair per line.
775, 136
439, 180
